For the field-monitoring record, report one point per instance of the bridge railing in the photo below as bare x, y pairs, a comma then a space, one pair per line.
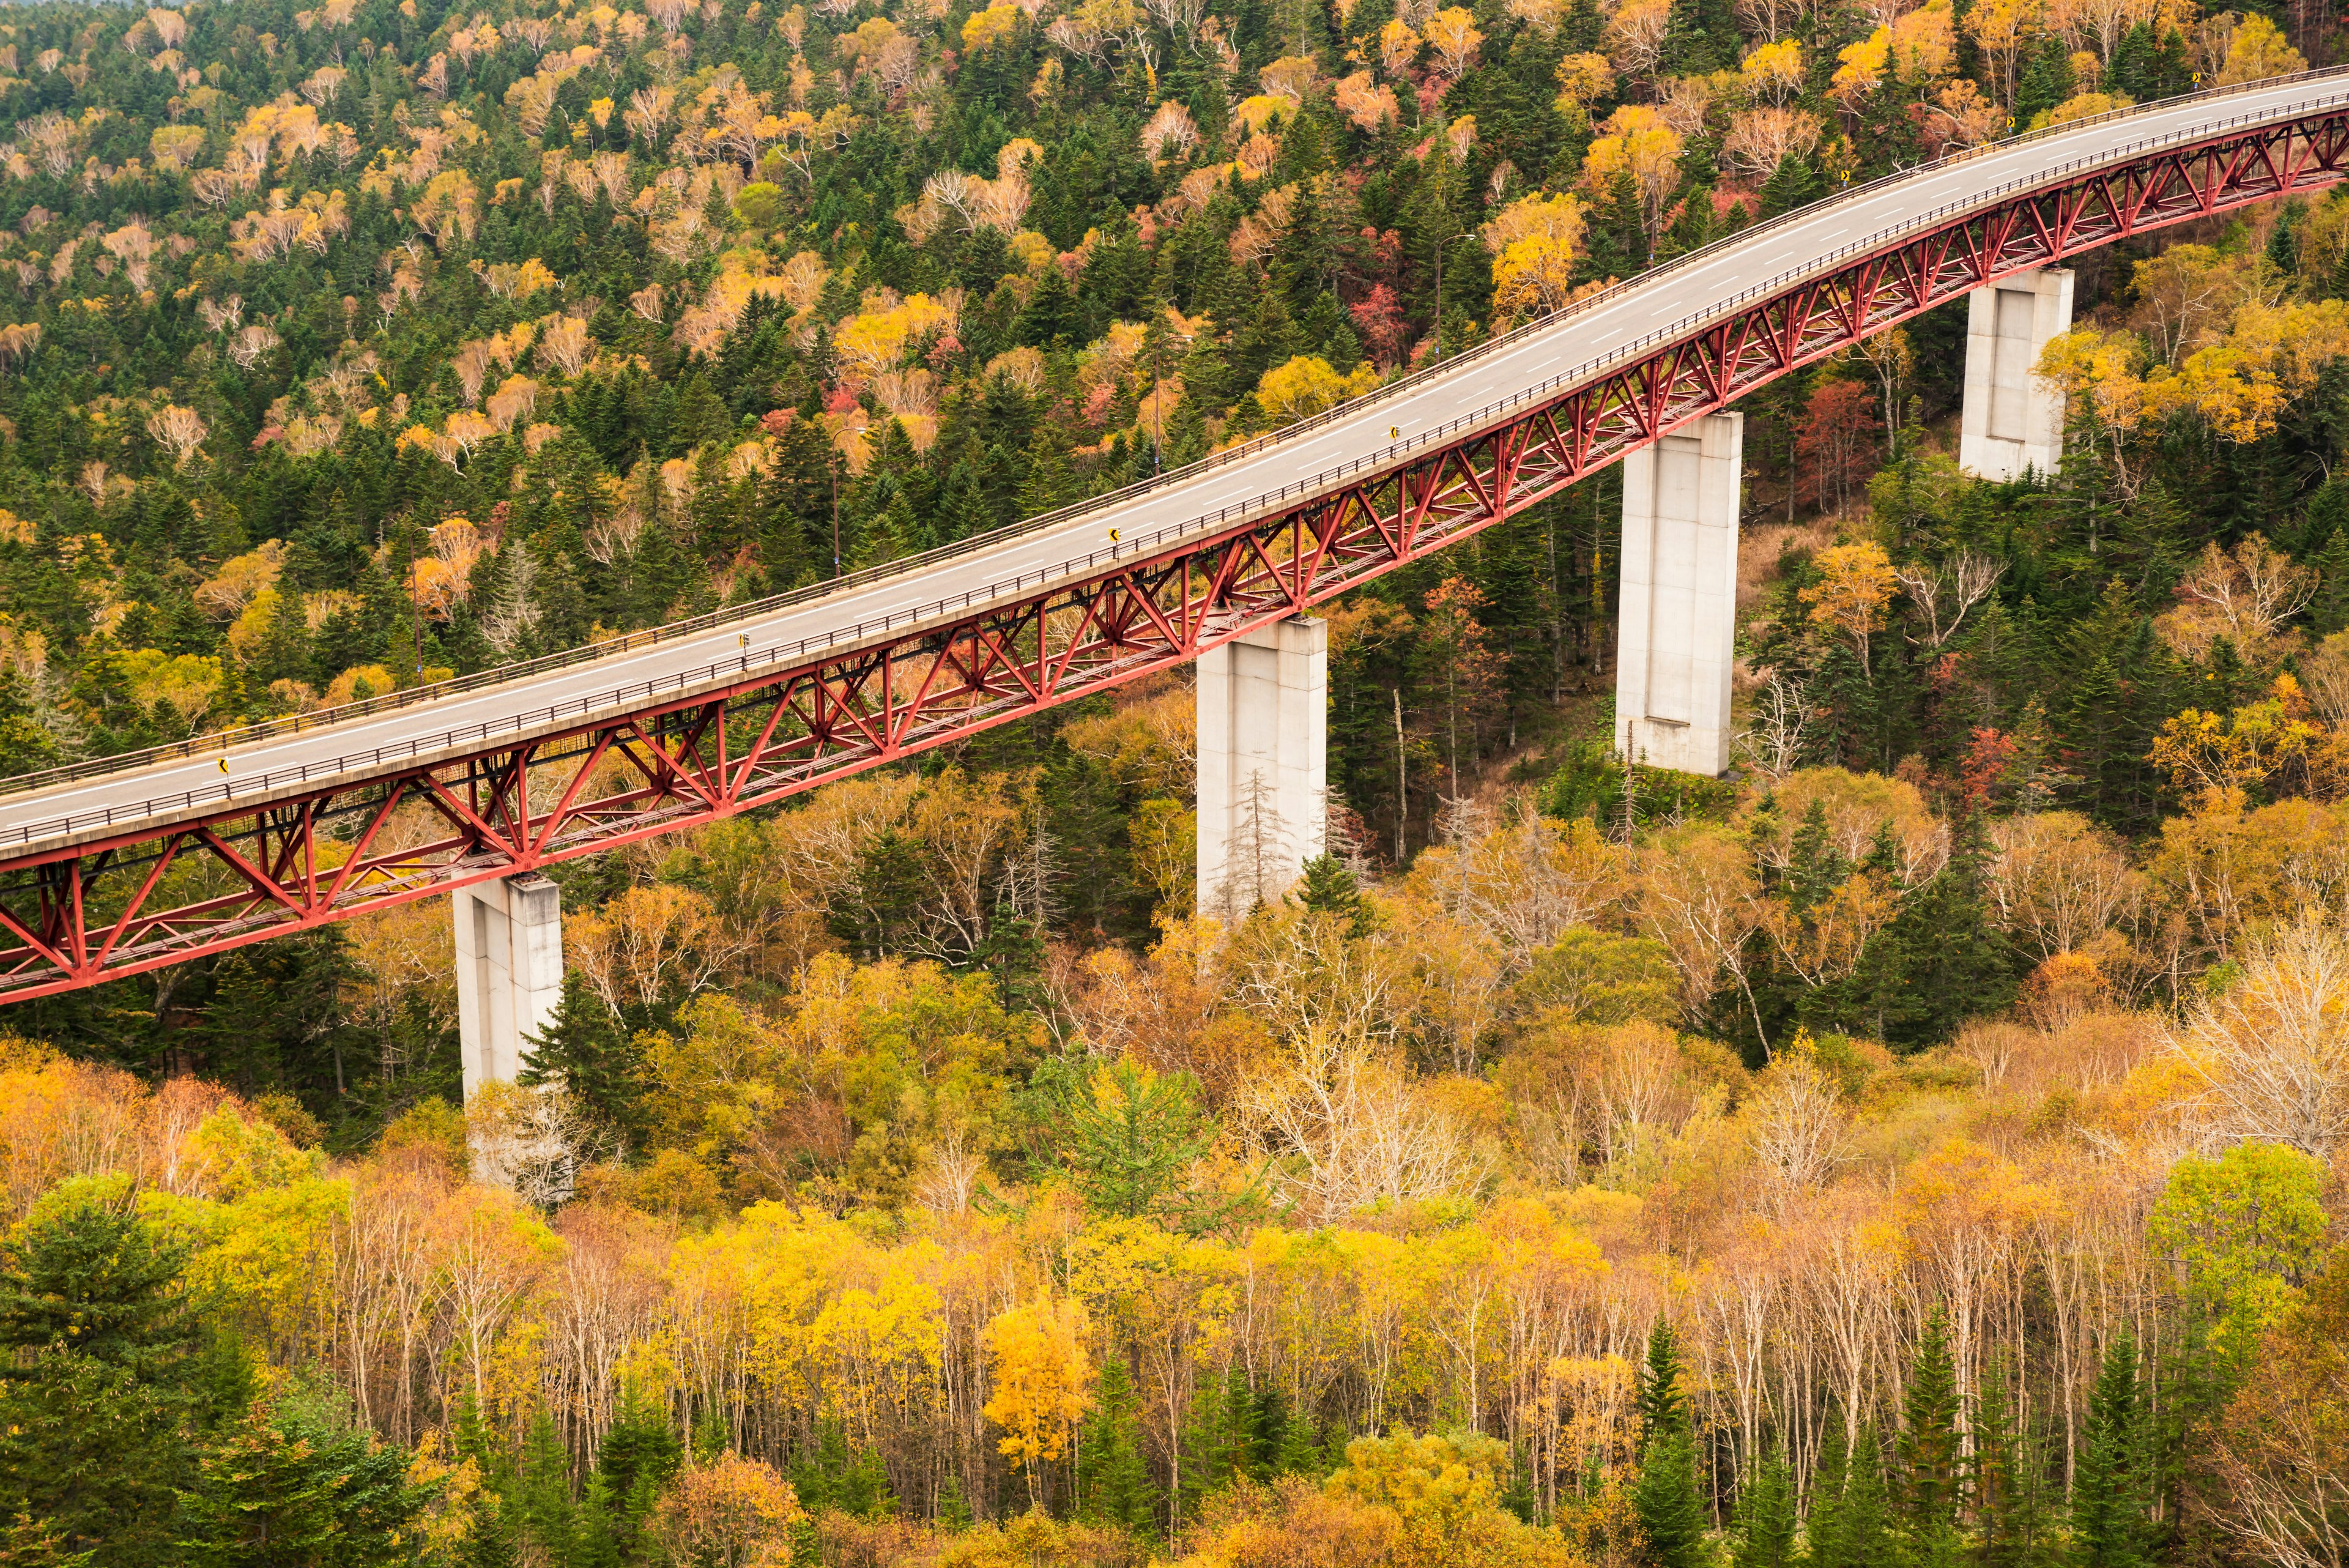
1386, 457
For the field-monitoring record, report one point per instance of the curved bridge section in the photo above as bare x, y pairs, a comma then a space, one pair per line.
115, 868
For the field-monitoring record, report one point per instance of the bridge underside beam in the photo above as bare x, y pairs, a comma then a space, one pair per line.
151, 895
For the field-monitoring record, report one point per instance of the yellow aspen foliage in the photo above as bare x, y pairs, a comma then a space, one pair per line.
2082, 106
2220, 756
734, 1513
1452, 34
1861, 69
985, 30
2271, 357
1856, 585
2259, 51
2102, 377
1924, 46
1773, 73
1043, 1379
874, 339
191, 683
1398, 48
1583, 82
1638, 144
1535, 243
1307, 385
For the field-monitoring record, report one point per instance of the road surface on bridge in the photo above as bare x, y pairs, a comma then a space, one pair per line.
1673, 300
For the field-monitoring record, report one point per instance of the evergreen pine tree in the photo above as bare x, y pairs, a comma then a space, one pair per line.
1200, 1445
1762, 1532
1670, 1510
1519, 1498
1127, 1146
1241, 1437
538, 1504
2283, 240
296, 1482
2112, 1492
593, 1055
2328, 611
1329, 888
1051, 312
105, 1377
1300, 1450
2134, 59
863, 1489
639, 1453
1932, 1464
1822, 1530
817, 1472
1796, 182
954, 1509
2045, 82
2007, 1484
1942, 959
493, 1544
1113, 1485
1864, 1534
595, 1527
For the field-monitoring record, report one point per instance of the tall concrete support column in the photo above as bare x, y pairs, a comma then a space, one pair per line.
1264, 763
509, 970
1676, 637
2013, 420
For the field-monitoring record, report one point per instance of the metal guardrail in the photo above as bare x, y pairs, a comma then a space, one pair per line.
1386, 457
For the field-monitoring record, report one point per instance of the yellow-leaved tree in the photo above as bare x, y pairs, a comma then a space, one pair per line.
1639, 146
1307, 384
1042, 1381
1856, 582
1534, 242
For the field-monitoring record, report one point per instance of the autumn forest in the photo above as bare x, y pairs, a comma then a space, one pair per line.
1927, 1145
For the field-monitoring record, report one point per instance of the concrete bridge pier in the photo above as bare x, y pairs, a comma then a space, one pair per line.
1264, 774
509, 970
2012, 420
1676, 636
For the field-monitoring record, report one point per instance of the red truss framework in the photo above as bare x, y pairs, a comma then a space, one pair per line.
138, 899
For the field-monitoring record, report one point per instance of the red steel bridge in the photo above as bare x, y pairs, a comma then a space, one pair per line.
112, 867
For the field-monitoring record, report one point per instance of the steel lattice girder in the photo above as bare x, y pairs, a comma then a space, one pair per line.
140, 900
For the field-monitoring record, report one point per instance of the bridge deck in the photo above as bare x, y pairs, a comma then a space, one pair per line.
1675, 301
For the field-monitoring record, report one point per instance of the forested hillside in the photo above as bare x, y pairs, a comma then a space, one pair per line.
1924, 1146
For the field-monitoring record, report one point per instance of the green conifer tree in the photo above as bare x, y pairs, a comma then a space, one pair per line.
639, 1453
1932, 1462
296, 1482
593, 1055
538, 1504
1761, 1533
1671, 1509
107, 1375
595, 1527
1822, 1536
1113, 1485
1329, 888
2007, 1484
2113, 1490
1864, 1535
2328, 611
1301, 1449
